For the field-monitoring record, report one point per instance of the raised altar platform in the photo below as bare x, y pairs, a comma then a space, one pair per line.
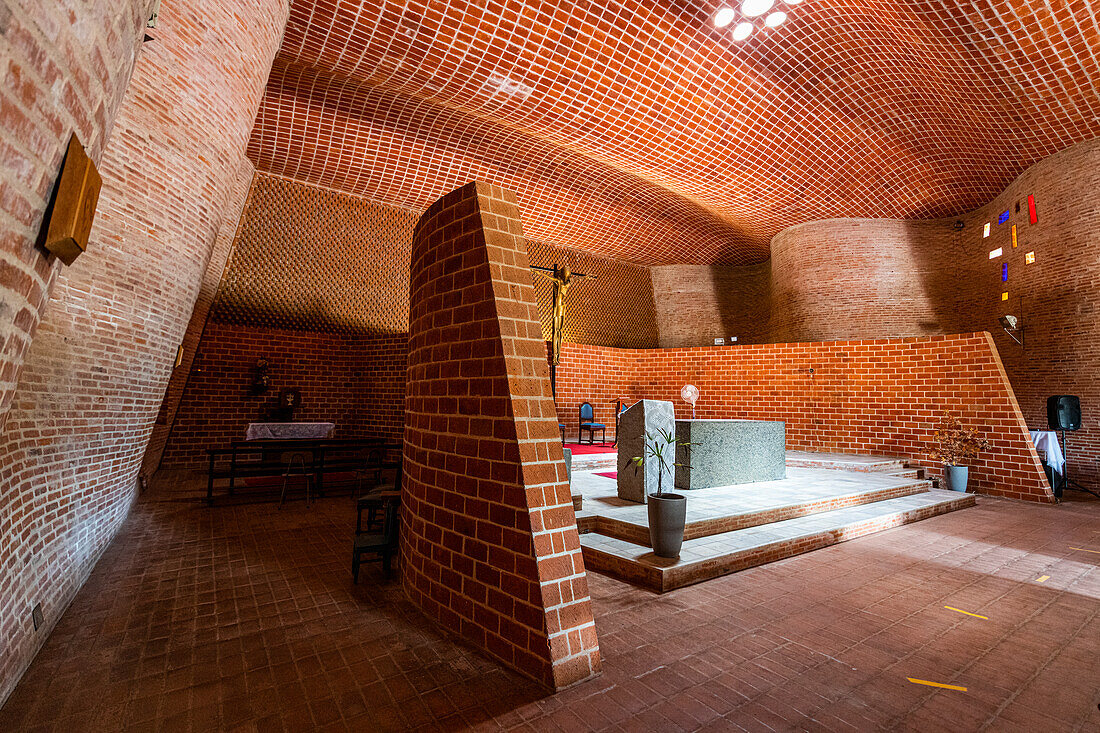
729, 452
825, 499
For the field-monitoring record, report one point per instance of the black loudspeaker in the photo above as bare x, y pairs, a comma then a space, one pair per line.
1064, 412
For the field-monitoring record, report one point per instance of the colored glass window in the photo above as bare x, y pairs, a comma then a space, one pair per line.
986, 232
1029, 258
1003, 217
1004, 295
1004, 272
994, 254
1014, 242
1032, 215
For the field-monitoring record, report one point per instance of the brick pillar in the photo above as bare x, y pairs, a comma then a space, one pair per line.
490, 544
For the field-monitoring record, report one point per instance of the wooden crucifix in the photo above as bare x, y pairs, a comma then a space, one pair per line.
562, 277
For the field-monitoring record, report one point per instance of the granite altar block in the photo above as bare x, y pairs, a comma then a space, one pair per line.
728, 452
645, 416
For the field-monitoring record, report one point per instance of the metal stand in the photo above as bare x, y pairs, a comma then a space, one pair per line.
1066, 482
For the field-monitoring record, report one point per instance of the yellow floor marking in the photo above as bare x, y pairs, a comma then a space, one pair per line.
936, 684
1042, 579
975, 615
1082, 549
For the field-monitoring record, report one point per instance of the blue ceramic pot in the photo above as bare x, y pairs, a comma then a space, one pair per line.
954, 477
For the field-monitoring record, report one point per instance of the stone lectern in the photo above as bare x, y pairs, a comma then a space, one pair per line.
645, 416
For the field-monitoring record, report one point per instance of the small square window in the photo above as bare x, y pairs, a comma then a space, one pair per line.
1029, 258
994, 254
1003, 217
1004, 295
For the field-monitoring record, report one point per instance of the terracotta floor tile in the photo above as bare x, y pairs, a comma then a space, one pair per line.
243, 618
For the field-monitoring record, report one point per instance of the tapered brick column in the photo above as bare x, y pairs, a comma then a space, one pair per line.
489, 545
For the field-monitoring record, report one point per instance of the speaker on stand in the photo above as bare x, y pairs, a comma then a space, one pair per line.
1064, 413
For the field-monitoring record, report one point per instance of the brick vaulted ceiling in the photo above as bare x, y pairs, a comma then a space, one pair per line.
639, 131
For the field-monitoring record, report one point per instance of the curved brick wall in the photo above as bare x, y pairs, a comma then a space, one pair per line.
66, 67
489, 541
856, 279
872, 397
97, 369
861, 278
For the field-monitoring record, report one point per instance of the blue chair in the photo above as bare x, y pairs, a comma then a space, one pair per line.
587, 422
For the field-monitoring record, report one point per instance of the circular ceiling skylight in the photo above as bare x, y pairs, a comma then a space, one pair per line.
775, 19
724, 17
742, 31
753, 8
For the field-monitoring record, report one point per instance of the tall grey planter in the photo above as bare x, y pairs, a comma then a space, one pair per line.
667, 513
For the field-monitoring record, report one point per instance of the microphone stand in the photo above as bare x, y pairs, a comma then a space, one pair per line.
1067, 483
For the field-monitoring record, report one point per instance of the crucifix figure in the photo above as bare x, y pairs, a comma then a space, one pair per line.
562, 277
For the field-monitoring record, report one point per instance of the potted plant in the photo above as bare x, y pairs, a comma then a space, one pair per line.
666, 511
954, 446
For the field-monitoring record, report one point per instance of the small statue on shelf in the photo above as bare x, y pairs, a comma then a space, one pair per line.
261, 380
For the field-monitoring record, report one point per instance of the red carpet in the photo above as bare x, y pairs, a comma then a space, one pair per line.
585, 449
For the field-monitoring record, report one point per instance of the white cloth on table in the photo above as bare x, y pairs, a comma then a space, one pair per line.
289, 430
1047, 441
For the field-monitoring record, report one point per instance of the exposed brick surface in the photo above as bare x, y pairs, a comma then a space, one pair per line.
1056, 297
856, 279
65, 66
317, 260
357, 382
223, 245
308, 264
874, 397
696, 304
98, 366
642, 132
490, 545
312, 259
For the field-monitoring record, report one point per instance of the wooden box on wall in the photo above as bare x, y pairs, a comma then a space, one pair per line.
70, 218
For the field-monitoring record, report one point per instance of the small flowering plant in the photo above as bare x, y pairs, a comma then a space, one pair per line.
662, 447
954, 444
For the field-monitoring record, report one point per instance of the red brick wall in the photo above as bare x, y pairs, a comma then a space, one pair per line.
95, 373
357, 382
66, 66
308, 263
863, 278
854, 279
696, 304
1056, 298
878, 397
490, 544
223, 245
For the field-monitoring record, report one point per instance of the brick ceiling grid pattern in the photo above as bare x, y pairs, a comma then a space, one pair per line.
639, 131
308, 258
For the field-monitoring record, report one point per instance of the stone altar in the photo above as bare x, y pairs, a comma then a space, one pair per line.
652, 416
728, 452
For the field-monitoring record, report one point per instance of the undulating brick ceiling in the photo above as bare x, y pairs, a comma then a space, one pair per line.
640, 131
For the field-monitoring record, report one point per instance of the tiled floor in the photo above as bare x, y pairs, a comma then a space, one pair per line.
244, 618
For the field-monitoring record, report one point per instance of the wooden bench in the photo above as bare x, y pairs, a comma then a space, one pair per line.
260, 459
